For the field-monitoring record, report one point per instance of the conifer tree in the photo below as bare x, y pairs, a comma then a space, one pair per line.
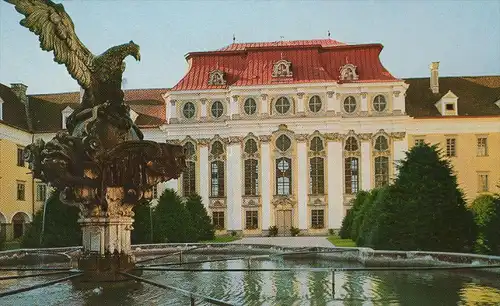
172, 222
203, 227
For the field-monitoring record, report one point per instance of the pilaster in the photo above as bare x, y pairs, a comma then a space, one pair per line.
335, 182
265, 181
332, 104
172, 111
364, 102
300, 103
204, 180
366, 182
203, 109
302, 178
234, 192
400, 146
263, 104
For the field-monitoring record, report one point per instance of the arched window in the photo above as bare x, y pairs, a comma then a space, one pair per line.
283, 143
381, 144
351, 175
251, 167
189, 174
283, 176
351, 144
381, 171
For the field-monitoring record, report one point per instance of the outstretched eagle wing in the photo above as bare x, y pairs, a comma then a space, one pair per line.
57, 33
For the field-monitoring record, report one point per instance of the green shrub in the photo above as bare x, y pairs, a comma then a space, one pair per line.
486, 212
346, 229
294, 231
142, 232
61, 226
202, 224
424, 209
367, 216
273, 231
171, 220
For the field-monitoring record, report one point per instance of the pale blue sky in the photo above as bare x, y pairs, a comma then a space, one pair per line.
463, 35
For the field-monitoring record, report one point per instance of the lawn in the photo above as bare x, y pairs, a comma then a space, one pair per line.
222, 239
339, 242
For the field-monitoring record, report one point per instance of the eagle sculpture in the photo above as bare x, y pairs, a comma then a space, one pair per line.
99, 76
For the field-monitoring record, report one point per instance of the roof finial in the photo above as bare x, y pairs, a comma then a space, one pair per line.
282, 37
234, 38
328, 33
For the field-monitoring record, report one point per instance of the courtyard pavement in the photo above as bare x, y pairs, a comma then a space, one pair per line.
287, 241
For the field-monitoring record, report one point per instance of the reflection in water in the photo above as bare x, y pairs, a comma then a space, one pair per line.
272, 288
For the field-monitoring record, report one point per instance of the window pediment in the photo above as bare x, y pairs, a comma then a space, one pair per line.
216, 77
348, 72
282, 68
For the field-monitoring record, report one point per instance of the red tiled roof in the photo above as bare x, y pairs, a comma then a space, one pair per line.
250, 64
287, 43
147, 103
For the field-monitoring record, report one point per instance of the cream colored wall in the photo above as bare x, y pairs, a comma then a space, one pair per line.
467, 164
10, 174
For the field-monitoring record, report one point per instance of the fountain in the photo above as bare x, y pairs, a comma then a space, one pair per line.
101, 164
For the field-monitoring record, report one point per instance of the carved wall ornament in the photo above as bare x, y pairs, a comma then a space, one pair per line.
263, 97
203, 101
338, 96
216, 77
334, 136
396, 93
235, 140
365, 136
348, 72
172, 102
203, 141
283, 201
300, 95
265, 138
398, 135
301, 137
330, 93
282, 68
173, 141
363, 94
235, 98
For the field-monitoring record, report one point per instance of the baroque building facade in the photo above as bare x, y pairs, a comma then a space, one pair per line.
285, 133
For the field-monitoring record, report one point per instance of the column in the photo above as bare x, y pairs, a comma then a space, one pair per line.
400, 147
365, 168
265, 172
300, 103
234, 192
263, 104
302, 179
335, 174
204, 179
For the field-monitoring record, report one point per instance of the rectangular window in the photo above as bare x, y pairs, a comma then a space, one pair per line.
451, 145
381, 171
20, 157
218, 220
252, 220
21, 191
317, 176
351, 175
483, 182
482, 146
317, 218
189, 179
41, 192
419, 142
251, 176
217, 182
450, 106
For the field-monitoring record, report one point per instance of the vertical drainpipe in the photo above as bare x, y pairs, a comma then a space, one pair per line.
32, 185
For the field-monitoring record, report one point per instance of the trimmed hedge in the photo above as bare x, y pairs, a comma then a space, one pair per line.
486, 212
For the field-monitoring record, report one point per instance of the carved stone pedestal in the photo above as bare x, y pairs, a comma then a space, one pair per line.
106, 239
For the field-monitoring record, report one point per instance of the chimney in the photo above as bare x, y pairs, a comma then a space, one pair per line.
19, 90
435, 77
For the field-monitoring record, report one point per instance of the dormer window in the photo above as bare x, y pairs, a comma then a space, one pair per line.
448, 104
348, 72
216, 78
282, 68
64, 115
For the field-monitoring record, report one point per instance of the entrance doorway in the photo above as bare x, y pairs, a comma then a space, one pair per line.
19, 222
284, 222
